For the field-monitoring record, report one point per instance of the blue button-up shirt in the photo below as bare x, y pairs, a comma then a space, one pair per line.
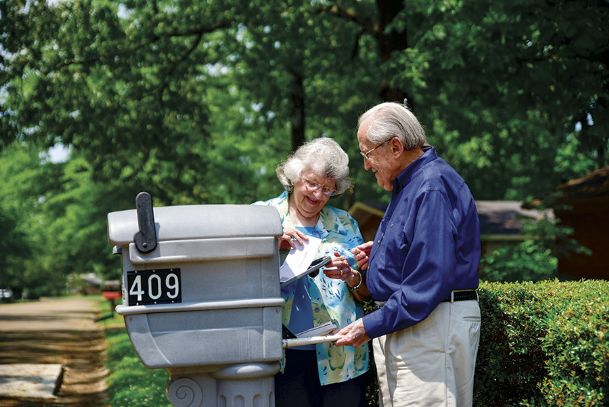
427, 245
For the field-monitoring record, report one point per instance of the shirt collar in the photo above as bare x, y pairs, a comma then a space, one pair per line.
429, 154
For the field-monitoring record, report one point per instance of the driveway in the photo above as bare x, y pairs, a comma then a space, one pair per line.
55, 332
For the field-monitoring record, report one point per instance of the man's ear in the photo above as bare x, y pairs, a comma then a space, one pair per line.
397, 148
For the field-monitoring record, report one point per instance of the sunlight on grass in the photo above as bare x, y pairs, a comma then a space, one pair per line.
130, 382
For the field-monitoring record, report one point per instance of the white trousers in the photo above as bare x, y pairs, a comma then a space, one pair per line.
431, 363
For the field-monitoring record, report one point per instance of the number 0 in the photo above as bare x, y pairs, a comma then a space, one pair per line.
159, 289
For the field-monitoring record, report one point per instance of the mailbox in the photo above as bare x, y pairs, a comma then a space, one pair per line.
201, 297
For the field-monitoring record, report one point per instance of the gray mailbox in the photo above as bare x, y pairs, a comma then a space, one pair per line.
201, 297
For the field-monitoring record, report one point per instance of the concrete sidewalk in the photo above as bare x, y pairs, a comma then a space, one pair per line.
51, 353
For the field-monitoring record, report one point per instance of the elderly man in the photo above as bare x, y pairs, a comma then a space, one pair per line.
422, 268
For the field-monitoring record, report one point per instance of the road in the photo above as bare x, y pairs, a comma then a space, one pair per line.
56, 331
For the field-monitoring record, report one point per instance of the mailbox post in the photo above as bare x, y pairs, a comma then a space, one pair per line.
201, 298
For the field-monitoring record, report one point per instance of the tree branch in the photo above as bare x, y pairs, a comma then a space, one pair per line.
351, 16
198, 32
174, 65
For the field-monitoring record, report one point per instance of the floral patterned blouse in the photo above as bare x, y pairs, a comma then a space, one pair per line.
331, 299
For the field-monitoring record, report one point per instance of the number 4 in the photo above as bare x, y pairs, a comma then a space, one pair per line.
136, 287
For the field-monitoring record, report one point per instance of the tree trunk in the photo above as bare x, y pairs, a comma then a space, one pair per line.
388, 43
297, 109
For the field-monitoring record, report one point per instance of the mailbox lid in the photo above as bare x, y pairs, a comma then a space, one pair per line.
198, 222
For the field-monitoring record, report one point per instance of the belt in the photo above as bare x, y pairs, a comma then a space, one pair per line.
455, 295
462, 295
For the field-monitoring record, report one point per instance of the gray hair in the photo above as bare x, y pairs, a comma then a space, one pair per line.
390, 119
324, 157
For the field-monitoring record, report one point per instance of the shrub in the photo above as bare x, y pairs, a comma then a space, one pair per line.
535, 258
544, 343
527, 261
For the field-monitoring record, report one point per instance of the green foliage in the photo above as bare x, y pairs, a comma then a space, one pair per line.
543, 343
60, 229
197, 102
14, 247
579, 363
535, 258
123, 89
527, 261
21, 196
130, 382
491, 90
141, 89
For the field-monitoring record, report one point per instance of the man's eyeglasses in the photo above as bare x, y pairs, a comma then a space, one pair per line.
314, 186
366, 154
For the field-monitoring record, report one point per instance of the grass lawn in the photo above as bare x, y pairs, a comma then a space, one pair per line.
130, 382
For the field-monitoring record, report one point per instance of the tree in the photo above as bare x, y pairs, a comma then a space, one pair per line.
23, 236
379, 21
121, 85
14, 248
197, 102
503, 85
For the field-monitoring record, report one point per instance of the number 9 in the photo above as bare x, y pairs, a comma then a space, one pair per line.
171, 282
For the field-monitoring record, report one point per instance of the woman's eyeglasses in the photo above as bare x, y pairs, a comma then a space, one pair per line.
314, 186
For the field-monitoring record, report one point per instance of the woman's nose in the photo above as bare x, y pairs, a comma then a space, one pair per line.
318, 193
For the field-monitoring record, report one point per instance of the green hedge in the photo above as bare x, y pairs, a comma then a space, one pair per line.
544, 344
541, 344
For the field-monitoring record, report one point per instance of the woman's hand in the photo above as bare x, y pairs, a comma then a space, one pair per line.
338, 268
291, 238
361, 253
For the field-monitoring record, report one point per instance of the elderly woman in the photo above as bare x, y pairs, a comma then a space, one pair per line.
316, 172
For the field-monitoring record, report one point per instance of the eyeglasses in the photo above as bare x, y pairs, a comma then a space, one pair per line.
366, 154
314, 186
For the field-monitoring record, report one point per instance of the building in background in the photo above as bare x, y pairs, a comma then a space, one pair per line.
501, 222
583, 205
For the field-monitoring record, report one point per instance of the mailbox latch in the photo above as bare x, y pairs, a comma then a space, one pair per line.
145, 239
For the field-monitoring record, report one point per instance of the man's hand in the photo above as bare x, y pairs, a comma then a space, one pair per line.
353, 334
361, 253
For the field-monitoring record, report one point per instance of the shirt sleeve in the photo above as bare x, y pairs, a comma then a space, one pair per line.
427, 272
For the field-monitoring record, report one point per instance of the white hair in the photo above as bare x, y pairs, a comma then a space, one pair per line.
324, 157
390, 119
